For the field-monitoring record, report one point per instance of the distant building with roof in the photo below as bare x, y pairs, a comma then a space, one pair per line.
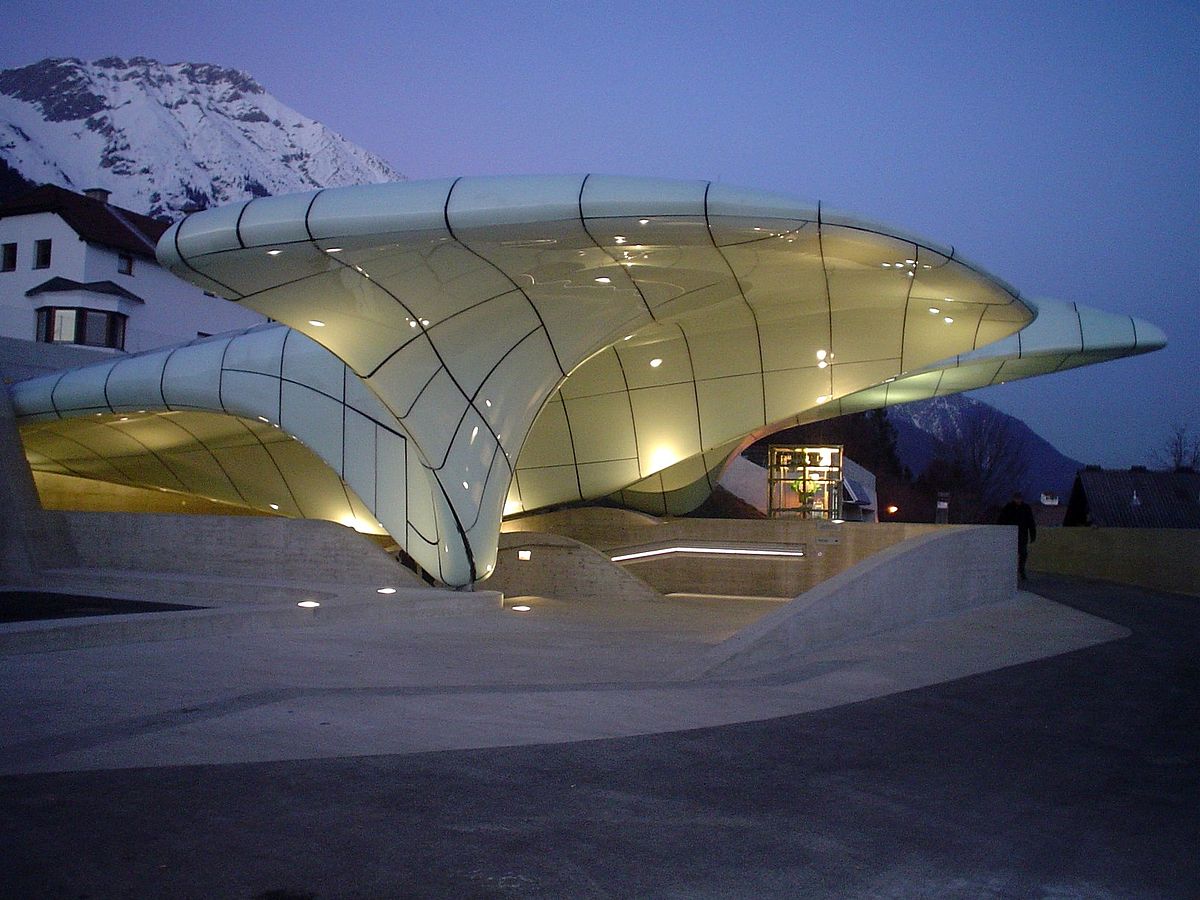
1134, 498
77, 270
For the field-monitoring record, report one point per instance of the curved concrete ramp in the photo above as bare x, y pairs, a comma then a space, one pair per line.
559, 566
926, 577
260, 679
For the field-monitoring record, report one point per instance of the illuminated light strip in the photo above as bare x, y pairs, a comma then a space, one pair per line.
690, 596
738, 551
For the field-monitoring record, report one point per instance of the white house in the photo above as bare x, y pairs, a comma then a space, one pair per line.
77, 270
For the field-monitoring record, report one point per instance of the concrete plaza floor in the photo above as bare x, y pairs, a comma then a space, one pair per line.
1026, 749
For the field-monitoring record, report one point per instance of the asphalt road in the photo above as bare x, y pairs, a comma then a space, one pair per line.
1074, 776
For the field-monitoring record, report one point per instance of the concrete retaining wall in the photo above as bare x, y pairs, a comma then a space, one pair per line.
830, 548
67, 492
1163, 559
250, 547
932, 575
563, 568
30, 538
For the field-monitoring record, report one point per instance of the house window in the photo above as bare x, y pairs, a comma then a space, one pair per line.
124, 263
90, 327
10, 258
41, 254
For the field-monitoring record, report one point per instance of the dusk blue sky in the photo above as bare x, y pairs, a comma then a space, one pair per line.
1056, 144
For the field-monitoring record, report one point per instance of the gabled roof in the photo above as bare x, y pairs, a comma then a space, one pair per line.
59, 285
1135, 498
93, 220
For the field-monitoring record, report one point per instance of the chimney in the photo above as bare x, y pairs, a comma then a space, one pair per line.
97, 193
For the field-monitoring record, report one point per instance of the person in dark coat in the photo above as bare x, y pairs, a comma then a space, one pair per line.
1017, 512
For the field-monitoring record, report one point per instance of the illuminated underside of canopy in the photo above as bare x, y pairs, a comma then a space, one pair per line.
489, 344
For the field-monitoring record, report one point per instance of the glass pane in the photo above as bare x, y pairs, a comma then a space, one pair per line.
805, 482
95, 328
64, 325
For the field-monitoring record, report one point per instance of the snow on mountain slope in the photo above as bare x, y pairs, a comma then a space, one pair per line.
925, 427
165, 137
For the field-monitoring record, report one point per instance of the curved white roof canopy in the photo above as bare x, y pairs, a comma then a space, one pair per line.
688, 315
1063, 336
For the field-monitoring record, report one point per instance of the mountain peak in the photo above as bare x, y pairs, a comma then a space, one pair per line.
928, 428
164, 137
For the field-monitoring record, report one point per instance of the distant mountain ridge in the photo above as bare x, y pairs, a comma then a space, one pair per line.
163, 138
925, 427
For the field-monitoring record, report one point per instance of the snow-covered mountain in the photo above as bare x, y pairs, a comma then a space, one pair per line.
165, 137
926, 426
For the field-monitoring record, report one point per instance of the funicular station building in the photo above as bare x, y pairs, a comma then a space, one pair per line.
445, 353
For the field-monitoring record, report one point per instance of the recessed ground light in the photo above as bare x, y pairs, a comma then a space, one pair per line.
316, 323
521, 608
822, 364
620, 239
603, 279
911, 262
948, 320
273, 505
333, 249
627, 337
487, 403
821, 354
933, 310
308, 604
948, 299
274, 252
124, 418
524, 555
412, 323
643, 221
474, 433
823, 399
387, 590
264, 419
466, 487
655, 363
889, 380
425, 322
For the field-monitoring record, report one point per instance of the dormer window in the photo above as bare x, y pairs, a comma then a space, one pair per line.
41, 254
124, 263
